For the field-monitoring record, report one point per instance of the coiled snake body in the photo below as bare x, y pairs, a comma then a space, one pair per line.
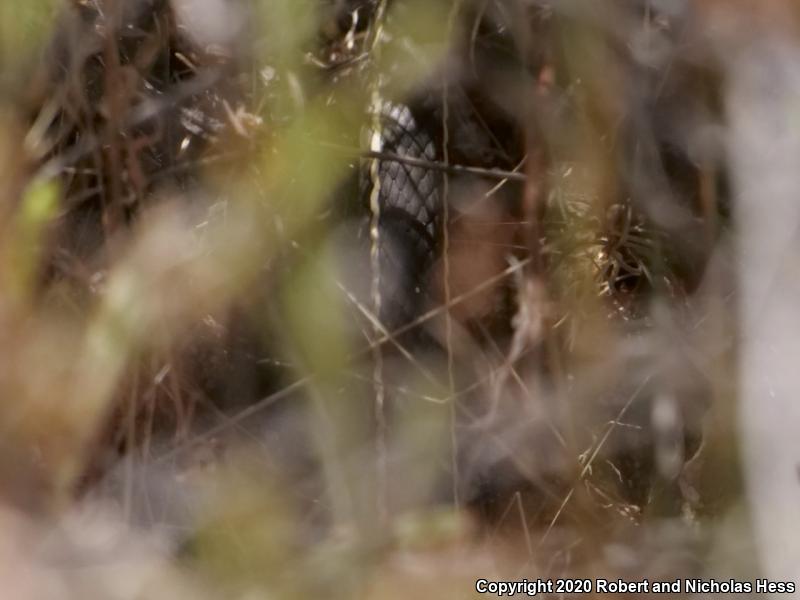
410, 211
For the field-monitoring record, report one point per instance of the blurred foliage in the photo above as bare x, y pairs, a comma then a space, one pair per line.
24, 27
110, 353
24, 251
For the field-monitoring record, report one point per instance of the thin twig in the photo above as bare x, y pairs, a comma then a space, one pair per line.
451, 169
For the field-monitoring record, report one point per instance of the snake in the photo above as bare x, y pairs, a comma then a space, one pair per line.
410, 210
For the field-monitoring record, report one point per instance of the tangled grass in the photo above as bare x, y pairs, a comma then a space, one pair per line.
198, 395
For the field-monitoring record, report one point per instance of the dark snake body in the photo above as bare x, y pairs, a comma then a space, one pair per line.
410, 215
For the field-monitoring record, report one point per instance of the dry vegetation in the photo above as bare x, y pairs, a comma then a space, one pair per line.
206, 390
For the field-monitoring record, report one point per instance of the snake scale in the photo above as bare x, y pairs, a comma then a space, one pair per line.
410, 211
